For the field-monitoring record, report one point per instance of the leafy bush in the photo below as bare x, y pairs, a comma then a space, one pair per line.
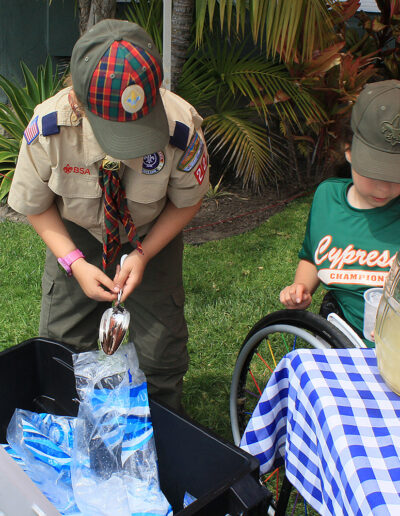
15, 116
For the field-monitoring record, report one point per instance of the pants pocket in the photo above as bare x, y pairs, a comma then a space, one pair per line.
47, 299
159, 329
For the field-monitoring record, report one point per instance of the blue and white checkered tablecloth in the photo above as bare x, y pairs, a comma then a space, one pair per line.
336, 423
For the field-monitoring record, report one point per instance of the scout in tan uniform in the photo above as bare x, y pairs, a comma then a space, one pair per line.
123, 176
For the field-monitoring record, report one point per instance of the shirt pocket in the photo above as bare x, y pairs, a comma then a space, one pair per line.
80, 182
146, 188
80, 196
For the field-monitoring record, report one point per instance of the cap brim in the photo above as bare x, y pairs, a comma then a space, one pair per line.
128, 140
374, 163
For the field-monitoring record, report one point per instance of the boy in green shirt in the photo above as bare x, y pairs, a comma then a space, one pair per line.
353, 229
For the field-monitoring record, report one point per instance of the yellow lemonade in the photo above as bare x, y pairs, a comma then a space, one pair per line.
387, 341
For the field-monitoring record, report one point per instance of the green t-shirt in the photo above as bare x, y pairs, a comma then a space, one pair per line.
351, 248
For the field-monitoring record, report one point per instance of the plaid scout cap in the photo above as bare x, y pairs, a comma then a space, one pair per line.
375, 120
116, 74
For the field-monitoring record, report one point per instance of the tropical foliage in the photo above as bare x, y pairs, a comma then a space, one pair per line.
234, 90
281, 27
15, 116
328, 56
378, 35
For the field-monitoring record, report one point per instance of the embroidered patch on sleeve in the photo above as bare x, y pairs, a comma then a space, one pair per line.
153, 163
32, 131
192, 154
200, 171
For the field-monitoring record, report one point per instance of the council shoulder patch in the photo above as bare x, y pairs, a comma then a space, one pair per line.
192, 154
153, 163
32, 131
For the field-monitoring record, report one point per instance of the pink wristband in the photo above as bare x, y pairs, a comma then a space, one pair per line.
68, 260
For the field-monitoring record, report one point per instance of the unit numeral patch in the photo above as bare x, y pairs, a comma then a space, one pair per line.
200, 171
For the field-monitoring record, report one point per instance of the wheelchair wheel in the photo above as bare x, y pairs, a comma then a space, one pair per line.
266, 343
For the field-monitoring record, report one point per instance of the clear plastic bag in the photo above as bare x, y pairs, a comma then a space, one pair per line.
103, 462
42, 446
114, 468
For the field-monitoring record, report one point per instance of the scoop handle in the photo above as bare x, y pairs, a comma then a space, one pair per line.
123, 258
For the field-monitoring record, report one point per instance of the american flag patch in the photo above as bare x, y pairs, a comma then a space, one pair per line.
32, 131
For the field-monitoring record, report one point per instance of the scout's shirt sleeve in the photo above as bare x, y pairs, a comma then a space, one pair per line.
189, 179
29, 193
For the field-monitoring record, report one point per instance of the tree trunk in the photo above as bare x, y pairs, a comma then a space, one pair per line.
182, 19
93, 11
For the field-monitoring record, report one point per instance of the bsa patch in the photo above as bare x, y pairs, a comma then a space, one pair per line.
200, 171
32, 131
153, 163
192, 154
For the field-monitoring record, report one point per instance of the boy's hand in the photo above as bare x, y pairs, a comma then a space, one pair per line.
131, 274
296, 296
92, 281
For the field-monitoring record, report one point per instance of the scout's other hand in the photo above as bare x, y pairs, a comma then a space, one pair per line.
93, 280
296, 296
131, 274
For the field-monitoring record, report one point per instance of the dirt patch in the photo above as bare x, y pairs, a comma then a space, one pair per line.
7, 213
234, 213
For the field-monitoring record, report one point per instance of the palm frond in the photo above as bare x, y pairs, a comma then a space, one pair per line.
282, 26
149, 15
15, 117
227, 70
245, 146
5, 184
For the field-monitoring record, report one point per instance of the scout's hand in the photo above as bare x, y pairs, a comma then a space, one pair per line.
295, 296
131, 274
92, 280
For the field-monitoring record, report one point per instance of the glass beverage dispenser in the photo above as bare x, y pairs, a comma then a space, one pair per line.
387, 329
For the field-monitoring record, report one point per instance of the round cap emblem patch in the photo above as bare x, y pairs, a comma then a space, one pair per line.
132, 98
153, 163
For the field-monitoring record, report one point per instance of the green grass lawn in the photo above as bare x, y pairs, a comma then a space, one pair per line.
230, 284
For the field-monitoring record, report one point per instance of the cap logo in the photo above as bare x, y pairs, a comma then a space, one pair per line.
391, 130
132, 98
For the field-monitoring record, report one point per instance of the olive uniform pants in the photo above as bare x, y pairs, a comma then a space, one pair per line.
157, 327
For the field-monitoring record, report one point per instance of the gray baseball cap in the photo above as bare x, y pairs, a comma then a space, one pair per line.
375, 121
116, 74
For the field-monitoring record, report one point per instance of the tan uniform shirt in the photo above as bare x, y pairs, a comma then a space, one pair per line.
63, 168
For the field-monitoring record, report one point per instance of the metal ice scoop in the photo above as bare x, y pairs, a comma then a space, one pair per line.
113, 324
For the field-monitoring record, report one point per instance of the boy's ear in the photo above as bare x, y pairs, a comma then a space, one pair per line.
347, 153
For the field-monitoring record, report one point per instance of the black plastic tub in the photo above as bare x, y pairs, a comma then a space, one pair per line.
37, 375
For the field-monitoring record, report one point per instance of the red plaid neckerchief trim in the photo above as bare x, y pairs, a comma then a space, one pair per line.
115, 211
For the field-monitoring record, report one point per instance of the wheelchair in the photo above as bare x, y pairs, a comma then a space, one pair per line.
266, 343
